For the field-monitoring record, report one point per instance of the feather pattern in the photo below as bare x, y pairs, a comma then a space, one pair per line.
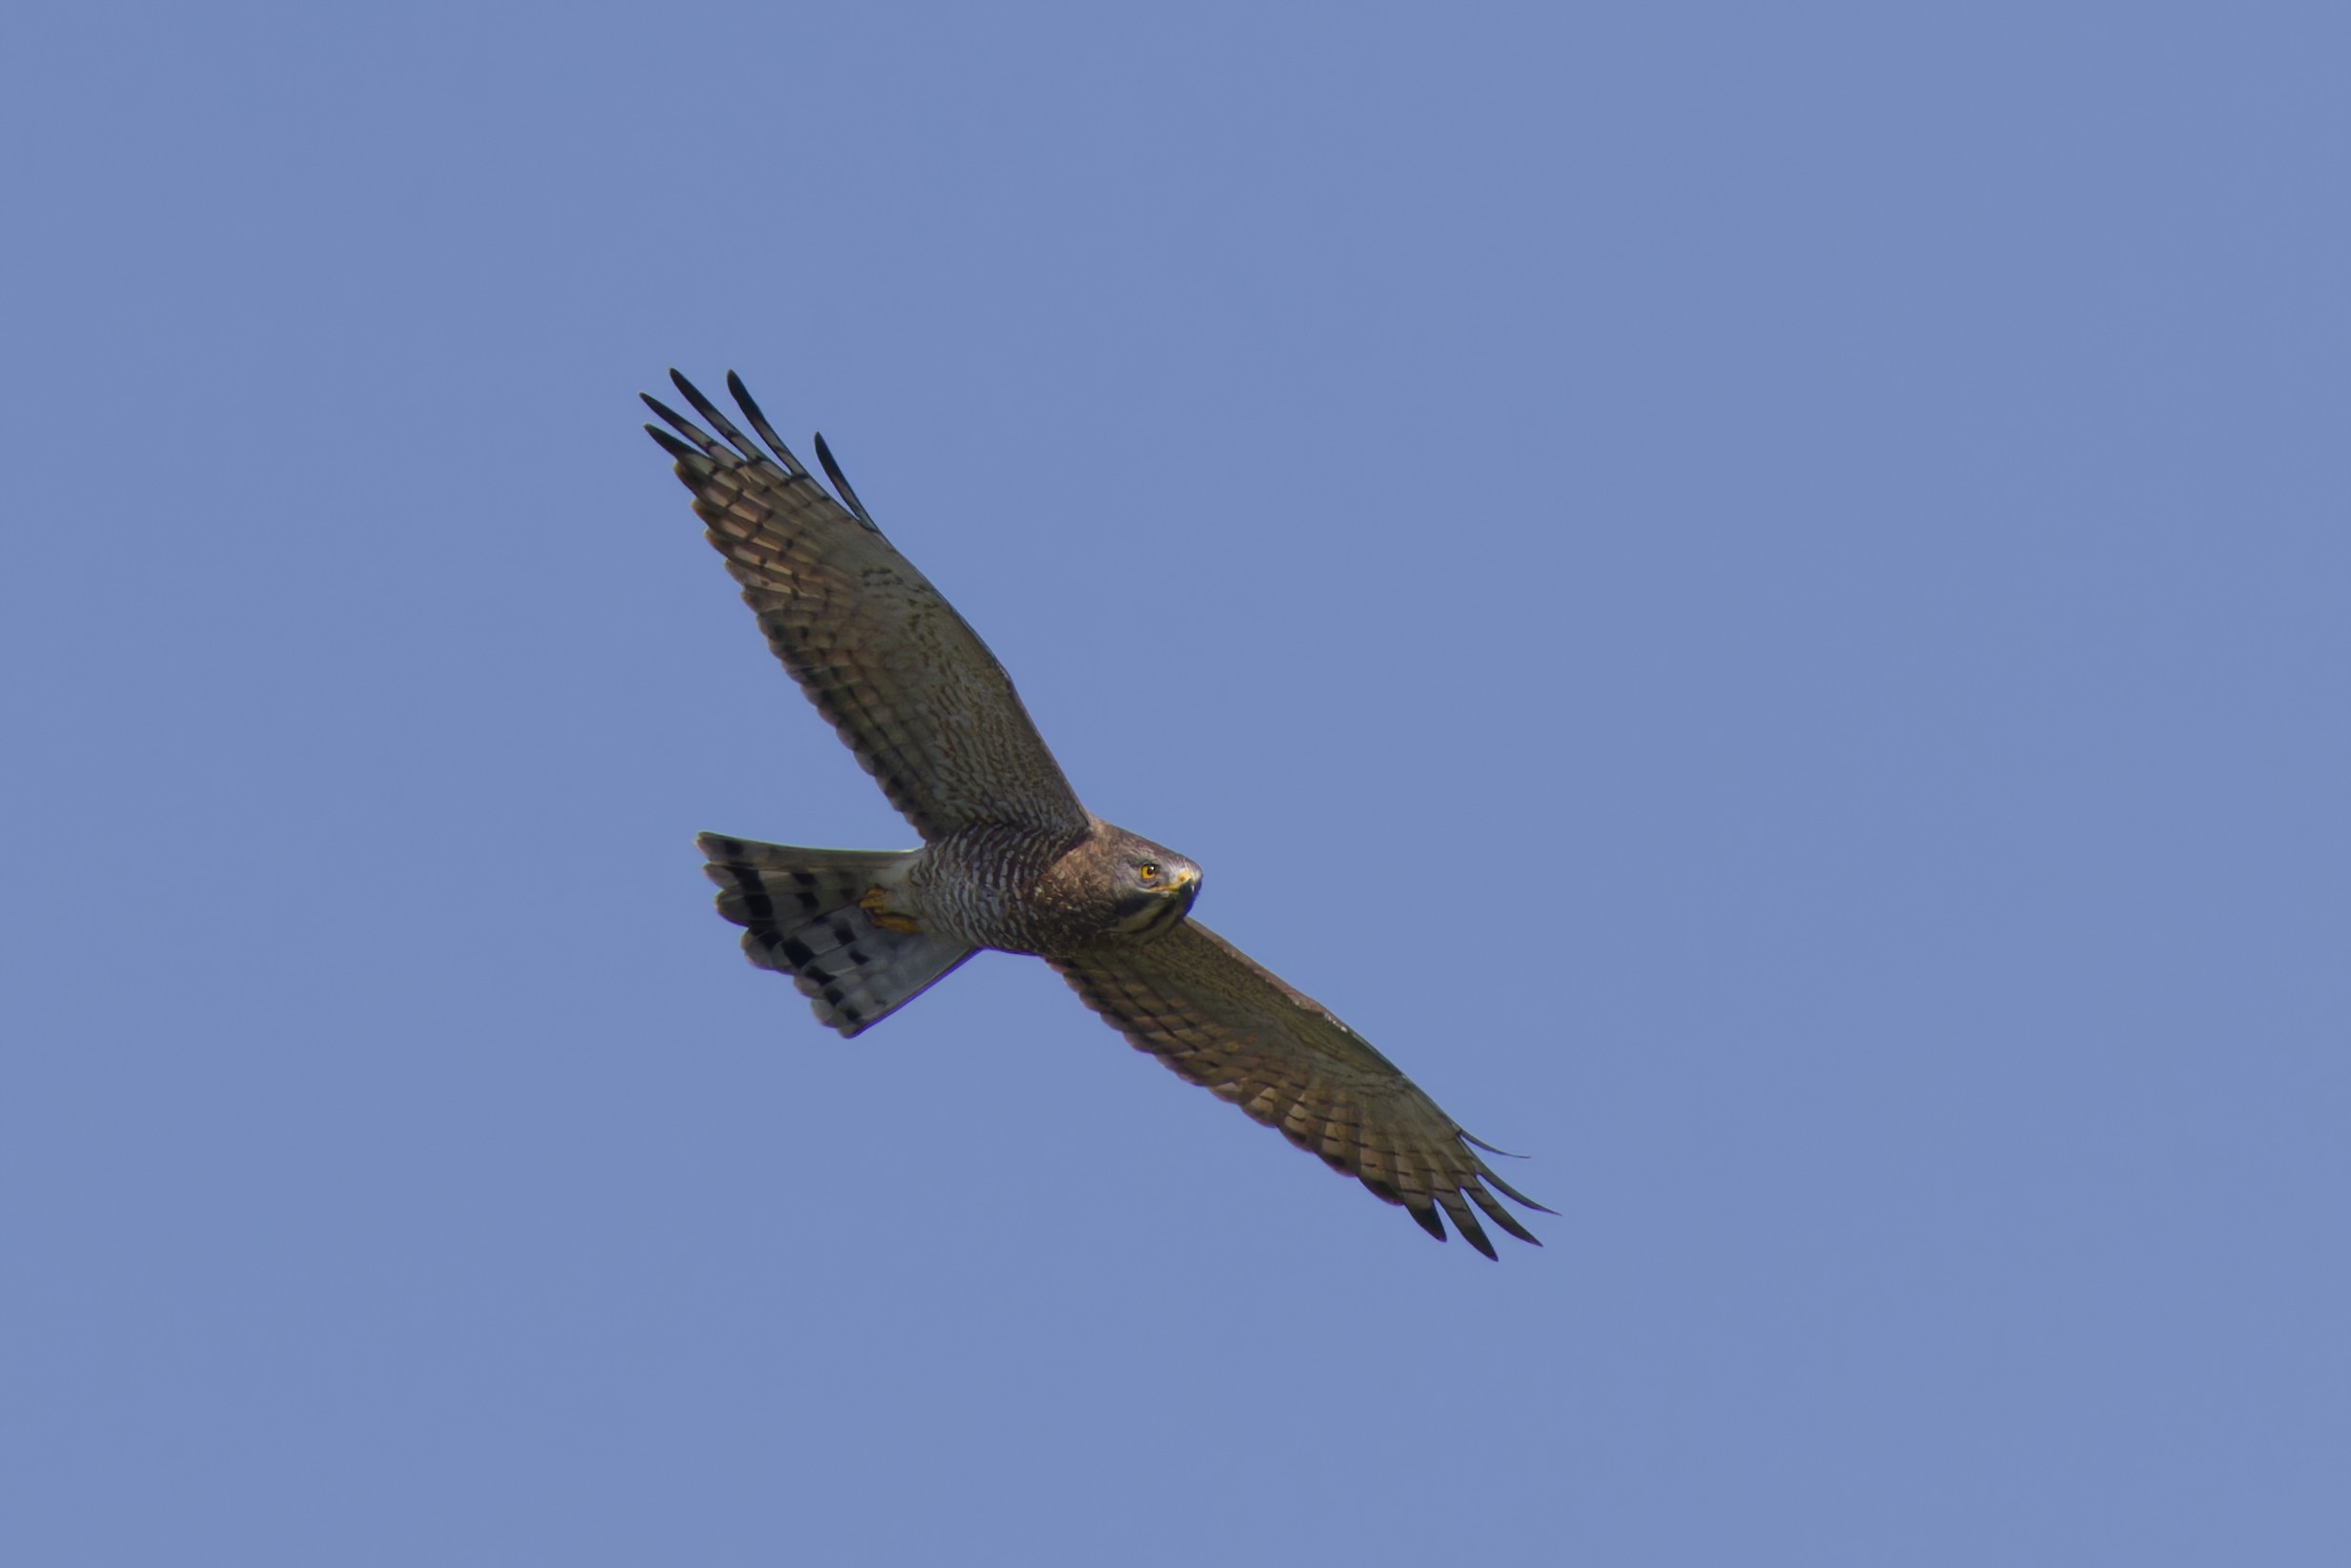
1011, 859
911, 689
1223, 1022
804, 914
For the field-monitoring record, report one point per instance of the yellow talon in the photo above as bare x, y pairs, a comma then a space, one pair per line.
876, 904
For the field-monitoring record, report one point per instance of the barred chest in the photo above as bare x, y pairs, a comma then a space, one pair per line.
1004, 887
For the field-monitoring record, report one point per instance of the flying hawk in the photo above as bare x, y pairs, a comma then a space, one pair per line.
1010, 858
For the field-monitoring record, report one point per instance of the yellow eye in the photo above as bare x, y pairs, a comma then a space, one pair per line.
1150, 869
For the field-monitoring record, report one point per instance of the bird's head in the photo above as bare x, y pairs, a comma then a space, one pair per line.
1154, 886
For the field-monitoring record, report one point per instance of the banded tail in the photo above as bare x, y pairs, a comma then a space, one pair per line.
805, 913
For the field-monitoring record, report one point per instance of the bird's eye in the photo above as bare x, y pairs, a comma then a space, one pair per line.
1150, 869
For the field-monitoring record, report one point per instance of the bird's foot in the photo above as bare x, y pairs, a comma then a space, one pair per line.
876, 905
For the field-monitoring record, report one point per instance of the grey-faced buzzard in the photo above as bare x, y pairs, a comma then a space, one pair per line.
1010, 858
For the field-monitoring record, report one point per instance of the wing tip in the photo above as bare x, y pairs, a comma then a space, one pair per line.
751, 410
745, 450
677, 449
1430, 1209
840, 481
1485, 1173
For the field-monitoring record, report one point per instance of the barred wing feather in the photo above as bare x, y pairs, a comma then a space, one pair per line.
910, 686
1226, 1023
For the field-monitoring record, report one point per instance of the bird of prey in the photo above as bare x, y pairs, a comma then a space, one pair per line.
1010, 858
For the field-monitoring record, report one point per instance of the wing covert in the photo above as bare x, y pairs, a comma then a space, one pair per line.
908, 686
1220, 1020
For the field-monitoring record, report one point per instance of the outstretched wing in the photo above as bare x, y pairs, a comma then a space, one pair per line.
1226, 1023
911, 687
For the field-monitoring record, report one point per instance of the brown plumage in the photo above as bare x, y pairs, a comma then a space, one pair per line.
1010, 858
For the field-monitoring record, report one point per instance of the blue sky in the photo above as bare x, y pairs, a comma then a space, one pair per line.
1756, 594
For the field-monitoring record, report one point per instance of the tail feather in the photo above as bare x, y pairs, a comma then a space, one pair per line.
804, 914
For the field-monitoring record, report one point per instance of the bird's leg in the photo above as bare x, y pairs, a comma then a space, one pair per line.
876, 904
